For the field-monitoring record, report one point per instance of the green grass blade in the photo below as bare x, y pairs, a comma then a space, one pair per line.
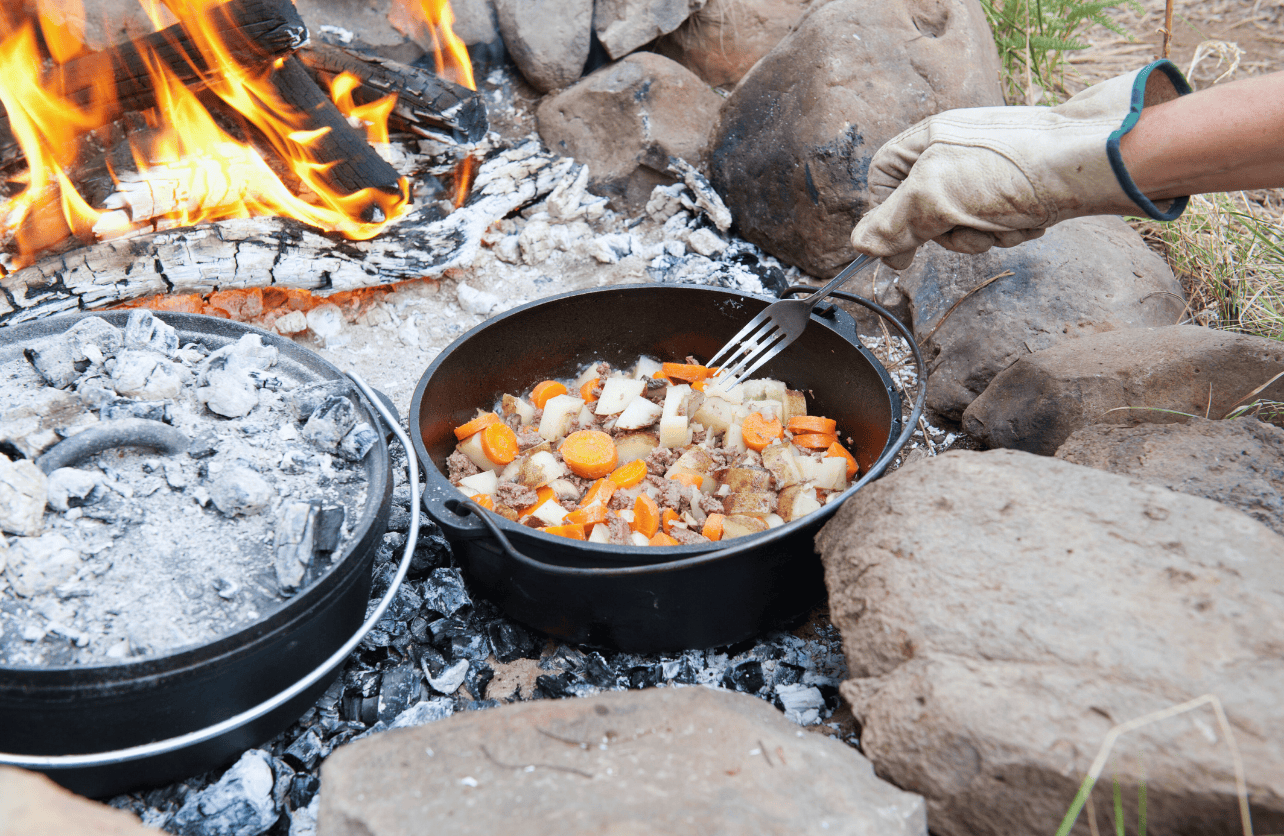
1141, 808
1119, 808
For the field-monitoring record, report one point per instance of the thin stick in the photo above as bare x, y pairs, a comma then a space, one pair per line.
1253, 393
964, 298
1168, 28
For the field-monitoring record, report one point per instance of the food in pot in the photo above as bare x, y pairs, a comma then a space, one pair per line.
663, 455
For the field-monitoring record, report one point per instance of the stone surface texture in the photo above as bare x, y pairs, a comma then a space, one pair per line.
33, 805
664, 760
996, 639
1239, 463
547, 39
625, 121
793, 143
723, 40
1038, 401
624, 25
1085, 276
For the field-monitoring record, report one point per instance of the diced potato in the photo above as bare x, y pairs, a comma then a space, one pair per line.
715, 388
674, 431
584, 377
674, 398
797, 501
764, 389
511, 405
633, 446
639, 539
509, 473
585, 417
558, 414
715, 414
773, 521
739, 525
747, 479
734, 440
600, 534
483, 483
828, 473
646, 367
638, 414
618, 393
626, 514
750, 502
539, 469
782, 461
696, 462
472, 448
691, 404
565, 491
795, 404
550, 513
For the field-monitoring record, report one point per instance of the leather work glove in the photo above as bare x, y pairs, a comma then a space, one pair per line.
976, 178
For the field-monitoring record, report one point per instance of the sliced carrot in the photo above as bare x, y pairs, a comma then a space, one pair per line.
589, 515
758, 432
691, 480
837, 449
484, 501
544, 494
800, 424
815, 441
575, 531
687, 372
662, 539
712, 527
545, 390
698, 386
588, 392
646, 516
667, 518
628, 475
590, 454
599, 492
476, 425
659, 374
499, 443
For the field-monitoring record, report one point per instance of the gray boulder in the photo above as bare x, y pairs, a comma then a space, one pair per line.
1084, 276
1155, 375
665, 760
1001, 612
721, 41
624, 25
548, 39
793, 143
1239, 463
626, 120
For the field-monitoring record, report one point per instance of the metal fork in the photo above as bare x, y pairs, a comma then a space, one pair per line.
777, 326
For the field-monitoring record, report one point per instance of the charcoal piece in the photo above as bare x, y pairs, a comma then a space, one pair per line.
767, 650
143, 330
294, 543
801, 703
431, 662
305, 400
358, 442
399, 519
330, 422
561, 686
419, 629
398, 688
745, 677
645, 677
478, 679
426, 711
127, 408
204, 445
302, 790
444, 592
479, 705
239, 802
563, 658
473, 647
405, 606
70, 487
511, 641
93, 331
229, 392
367, 683
596, 672
53, 359
283, 777
787, 674
401, 496
239, 490
450, 678
687, 673
329, 527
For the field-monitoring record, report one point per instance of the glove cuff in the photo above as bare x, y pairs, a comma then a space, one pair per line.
1141, 96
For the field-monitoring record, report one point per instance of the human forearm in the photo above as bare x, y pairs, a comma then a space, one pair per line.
1223, 138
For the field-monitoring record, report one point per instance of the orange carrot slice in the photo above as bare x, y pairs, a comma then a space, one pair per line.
837, 449
815, 441
662, 539
646, 516
599, 492
668, 518
659, 375
544, 494
698, 385
687, 372
574, 531
758, 432
546, 389
628, 475
712, 527
800, 424
499, 443
476, 425
588, 392
589, 515
691, 480
484, 501
590, 454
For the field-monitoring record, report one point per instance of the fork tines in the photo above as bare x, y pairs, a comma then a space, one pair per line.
748, 350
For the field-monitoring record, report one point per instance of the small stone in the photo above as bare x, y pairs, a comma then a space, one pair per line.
240, 490
239, 804
147, 375
332, 420
23, 491
53, 359
38, 564
143, 330
325, 321
450, 679
295, 322
294, 544
70, 487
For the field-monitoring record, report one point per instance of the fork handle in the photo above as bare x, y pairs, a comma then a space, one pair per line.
860, 263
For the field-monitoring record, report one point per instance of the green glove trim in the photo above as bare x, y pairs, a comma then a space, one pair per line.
1134, 112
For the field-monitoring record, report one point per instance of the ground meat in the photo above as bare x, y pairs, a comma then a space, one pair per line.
618, 530
459, 466
686, 536
527, 438
668, 493
710, 504
623, 499
659, 459
603, 370
515, 496
513, 420
699, 435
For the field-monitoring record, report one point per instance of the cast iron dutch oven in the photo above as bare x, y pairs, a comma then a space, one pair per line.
83, 710
643, 599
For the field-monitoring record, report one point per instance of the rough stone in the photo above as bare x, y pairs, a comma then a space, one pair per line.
33, 805
1001, 612
1084, 276
793, 143
721, 41
663, 760
1123, 377
1239, 463
624, 25
625, 120
548, 39
239, 804
22, 496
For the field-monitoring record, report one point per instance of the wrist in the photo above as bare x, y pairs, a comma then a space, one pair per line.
1153, 87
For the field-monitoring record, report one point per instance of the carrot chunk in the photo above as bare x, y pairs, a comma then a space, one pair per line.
668, 518
687, 372
800, 424
662, 539
599, 492
691, 480
476, 425
589, 515
628, 475
837, 449
484, 501
588, 392
545, 390
758, 432
815, 441
544, 494
646, 516
499, 443
590, 454
712, 527
575, 531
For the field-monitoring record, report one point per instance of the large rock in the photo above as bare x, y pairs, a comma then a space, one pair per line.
793, 143
625, 121
723, 40
33, 805
1239, 463
1084, 276
624, 25
1001, 612
548, 39
1157, 375
666, 760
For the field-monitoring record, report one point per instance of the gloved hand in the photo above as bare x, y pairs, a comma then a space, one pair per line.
975, 178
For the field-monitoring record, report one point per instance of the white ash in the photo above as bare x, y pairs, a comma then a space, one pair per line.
133, 553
